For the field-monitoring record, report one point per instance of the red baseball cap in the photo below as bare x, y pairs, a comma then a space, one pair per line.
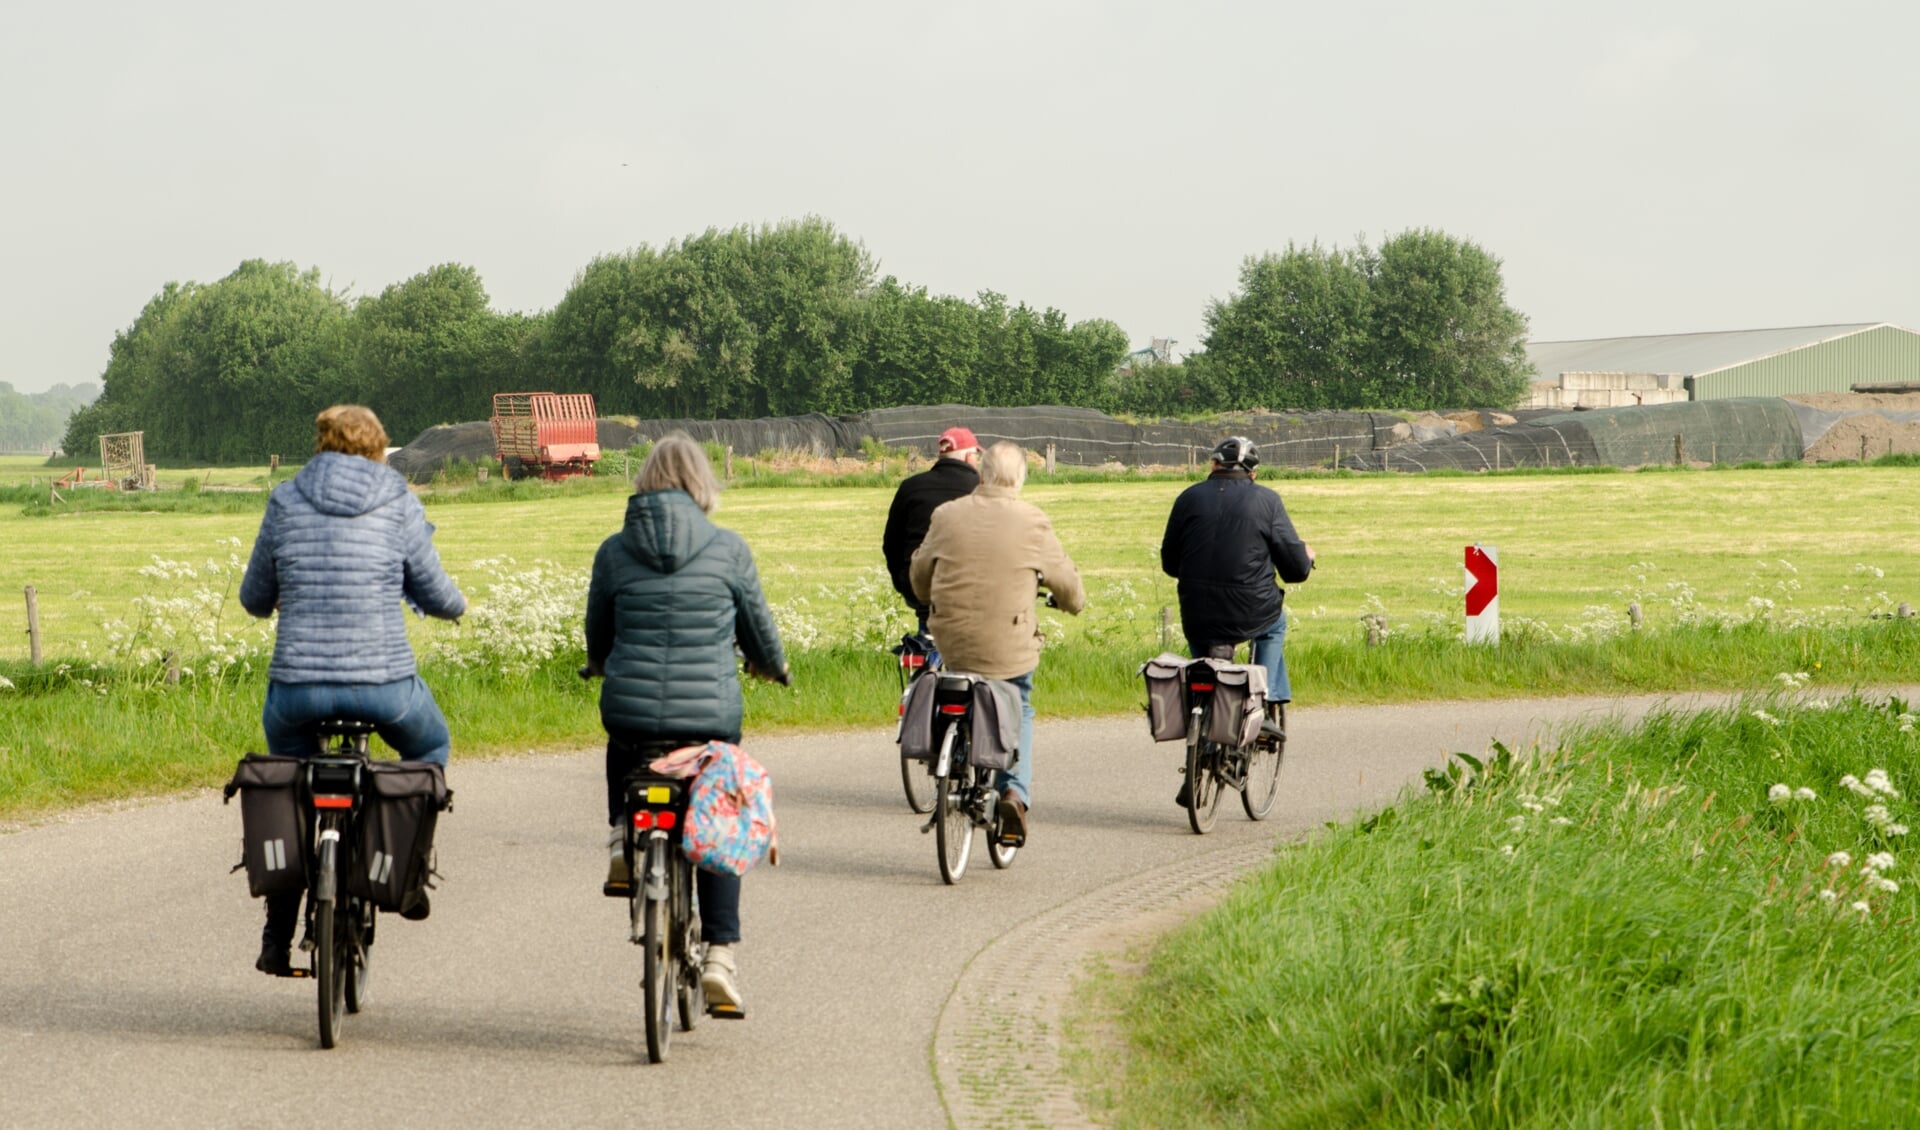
958, 439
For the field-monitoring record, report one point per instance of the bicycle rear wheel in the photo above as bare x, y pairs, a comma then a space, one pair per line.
330, 944
656, 968
1203, 788
1000, 854
916, 778
952, 824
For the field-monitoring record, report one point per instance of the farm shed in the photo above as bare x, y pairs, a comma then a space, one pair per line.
1620, 371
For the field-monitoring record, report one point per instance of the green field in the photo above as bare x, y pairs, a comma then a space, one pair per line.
1573, 549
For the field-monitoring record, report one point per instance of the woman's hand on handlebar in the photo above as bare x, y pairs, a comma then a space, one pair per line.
784, 678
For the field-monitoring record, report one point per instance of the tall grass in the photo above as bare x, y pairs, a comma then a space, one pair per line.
1686, 923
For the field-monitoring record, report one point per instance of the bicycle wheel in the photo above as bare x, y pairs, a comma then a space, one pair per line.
657, 969
359, 953
691, 999
330, 943
1263, 777
1203, 788
952, 825
916, 777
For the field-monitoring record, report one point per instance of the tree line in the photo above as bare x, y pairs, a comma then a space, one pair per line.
35, 421
775, 320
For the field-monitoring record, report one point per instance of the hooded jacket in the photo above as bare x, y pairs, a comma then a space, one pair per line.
912, 512
1226, 537
670, 594
341, 545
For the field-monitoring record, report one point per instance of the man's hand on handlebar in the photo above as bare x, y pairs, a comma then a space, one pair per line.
591, 670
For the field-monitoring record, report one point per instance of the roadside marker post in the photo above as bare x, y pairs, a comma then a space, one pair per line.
1483, 594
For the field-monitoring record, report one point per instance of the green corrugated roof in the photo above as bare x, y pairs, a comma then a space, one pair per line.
1683, 354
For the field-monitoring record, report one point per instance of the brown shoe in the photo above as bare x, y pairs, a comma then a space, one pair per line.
1013, 819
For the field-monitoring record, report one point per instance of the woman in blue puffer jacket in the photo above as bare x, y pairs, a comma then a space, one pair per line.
670, 595
342, 546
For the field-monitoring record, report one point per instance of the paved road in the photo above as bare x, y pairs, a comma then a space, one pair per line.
127, 995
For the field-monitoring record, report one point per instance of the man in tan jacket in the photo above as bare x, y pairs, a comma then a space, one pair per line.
984, 560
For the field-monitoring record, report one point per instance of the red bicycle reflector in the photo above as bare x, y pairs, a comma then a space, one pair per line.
333, 802
953, 708
643, 819
665, 820
903, 710
1200, 686
911, 660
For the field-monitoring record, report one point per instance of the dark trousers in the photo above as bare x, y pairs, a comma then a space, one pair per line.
719, 894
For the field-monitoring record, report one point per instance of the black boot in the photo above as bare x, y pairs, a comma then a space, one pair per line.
1275, 726
276, 939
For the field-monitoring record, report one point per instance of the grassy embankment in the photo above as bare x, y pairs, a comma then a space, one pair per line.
1740, 574
1624, 931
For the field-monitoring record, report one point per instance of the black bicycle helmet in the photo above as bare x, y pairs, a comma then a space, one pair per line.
1237, 451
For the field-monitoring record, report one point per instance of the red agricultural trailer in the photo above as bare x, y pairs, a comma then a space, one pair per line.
545, 434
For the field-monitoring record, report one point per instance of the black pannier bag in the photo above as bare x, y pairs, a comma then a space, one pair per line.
273, 839
1166, 697
994, 739
400, 802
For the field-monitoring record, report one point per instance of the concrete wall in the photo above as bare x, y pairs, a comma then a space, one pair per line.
1606, 390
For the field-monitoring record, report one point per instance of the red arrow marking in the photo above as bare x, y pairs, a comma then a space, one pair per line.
1486, 581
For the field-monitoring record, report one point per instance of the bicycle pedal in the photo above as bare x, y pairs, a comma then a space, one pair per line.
726, 1011
298, 974
617, 890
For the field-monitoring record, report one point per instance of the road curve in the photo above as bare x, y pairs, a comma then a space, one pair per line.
128, 998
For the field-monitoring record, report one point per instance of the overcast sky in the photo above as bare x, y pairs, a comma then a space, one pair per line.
1640, 167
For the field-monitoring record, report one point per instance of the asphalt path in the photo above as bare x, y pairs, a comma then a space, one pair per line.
128, 997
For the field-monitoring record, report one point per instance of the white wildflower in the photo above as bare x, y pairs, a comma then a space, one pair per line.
1560, 822
1532, 806
1887, 885
1906, 722
1827, 895
1506, 849
1517, 824
1862, 908
1840, 859
6, 684
1895, 829
1852, 784
1877, 781
1878, 816
1779, 795
1765, 717
1879, 861
1804, 793
1819, 704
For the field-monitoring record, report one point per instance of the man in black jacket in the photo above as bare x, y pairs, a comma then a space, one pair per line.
1226, 538
951, 476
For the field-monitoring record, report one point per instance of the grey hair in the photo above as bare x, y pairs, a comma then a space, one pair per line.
678, 463
1004, 465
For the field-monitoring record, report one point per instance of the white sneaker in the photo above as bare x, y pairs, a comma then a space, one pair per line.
717, 978
619, 880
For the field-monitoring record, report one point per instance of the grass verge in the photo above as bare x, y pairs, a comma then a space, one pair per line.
1705, 920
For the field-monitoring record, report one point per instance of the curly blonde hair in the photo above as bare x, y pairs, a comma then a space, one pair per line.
351, 429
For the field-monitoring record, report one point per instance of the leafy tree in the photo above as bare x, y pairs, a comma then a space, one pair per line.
1443, 334
35, 421
1421, 323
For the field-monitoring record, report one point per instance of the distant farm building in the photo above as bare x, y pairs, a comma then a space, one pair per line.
1615, 372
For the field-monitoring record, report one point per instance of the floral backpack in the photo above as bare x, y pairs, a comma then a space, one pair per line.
729, 824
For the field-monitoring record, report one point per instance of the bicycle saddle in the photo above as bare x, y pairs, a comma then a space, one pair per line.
337, 727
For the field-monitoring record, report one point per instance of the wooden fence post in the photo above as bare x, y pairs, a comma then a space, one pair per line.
729, 462
1679, 449
33, 627
1166, 628
1050, 458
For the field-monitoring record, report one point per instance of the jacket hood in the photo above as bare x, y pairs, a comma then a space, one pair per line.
666, 529
347, 486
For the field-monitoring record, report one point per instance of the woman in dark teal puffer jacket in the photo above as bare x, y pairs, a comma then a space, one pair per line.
671, 593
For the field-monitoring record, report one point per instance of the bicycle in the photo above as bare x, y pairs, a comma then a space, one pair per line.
340, 925
964, 795
664, 911
1213, 767
918, 658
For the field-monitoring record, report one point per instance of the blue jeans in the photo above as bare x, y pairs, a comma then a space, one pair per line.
1020, 779
403, 713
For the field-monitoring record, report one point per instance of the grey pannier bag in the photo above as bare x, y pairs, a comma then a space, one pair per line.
1239, 702
272, 826
916, 719
994, 739
1166, 697
400, 803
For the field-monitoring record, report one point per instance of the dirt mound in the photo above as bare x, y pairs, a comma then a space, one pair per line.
1858, 401
1863, 436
